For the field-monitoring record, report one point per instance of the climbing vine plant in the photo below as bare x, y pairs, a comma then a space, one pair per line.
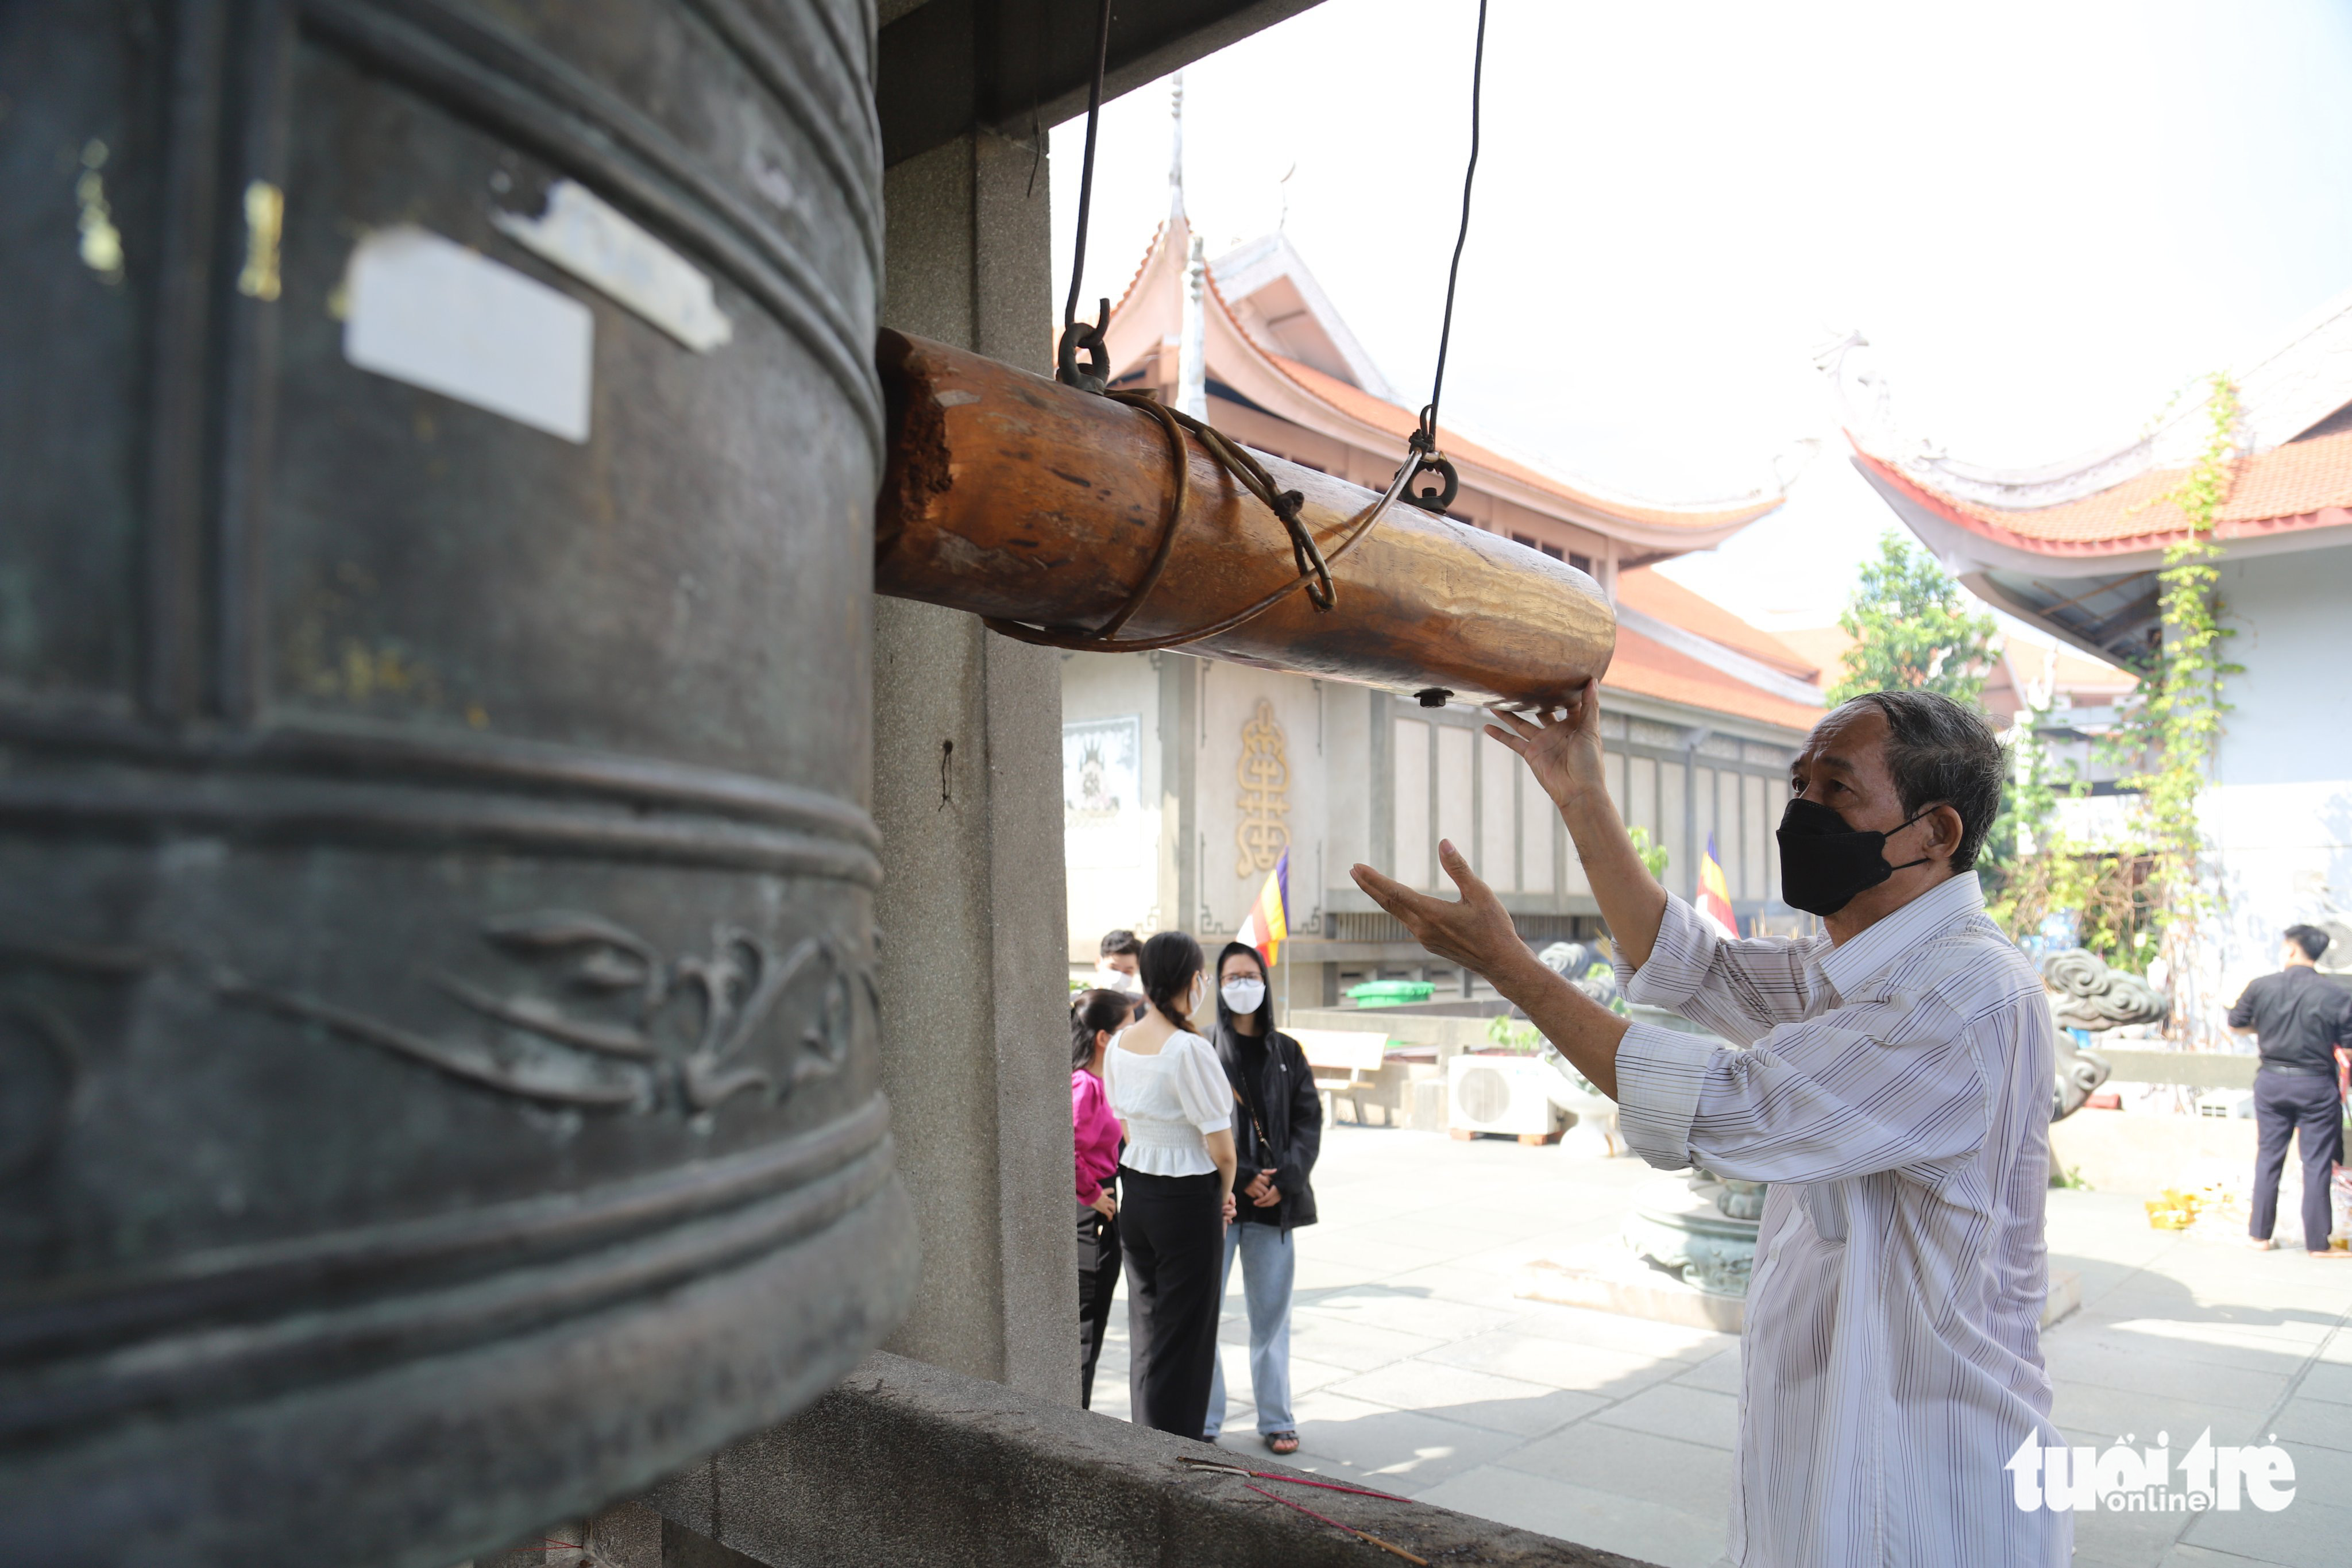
2141, 896
2168, 736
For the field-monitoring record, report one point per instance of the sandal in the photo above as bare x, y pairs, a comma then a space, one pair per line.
1282, 1442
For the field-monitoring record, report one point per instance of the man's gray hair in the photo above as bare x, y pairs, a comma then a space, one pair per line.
1939, 752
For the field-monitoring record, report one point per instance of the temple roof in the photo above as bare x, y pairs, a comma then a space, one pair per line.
1271, 338
2073, 547
2306, 483
1676, 647
2297, 387
1398, 422
1646, 591
1648, 668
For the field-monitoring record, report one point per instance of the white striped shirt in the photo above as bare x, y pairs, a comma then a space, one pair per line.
1895, 1091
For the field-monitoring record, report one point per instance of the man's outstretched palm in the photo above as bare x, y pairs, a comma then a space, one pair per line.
1474, 932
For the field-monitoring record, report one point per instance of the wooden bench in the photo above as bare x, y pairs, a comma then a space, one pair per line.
1344, 1062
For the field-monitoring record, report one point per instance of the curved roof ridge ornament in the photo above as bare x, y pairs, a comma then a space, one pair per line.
1176, 151
1789, 463
2303, 378
1864, 404
1869, 420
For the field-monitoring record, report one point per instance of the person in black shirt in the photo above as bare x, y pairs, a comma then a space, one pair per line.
1278, 1126
2299, 1018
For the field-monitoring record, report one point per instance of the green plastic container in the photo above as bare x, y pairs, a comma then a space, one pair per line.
1390, 992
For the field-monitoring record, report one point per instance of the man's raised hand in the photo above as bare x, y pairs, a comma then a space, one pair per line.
1474, 932
1564, 753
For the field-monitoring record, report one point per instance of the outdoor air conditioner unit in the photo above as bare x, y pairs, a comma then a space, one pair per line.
1503, 1094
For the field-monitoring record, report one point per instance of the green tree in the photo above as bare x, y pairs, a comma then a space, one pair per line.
2024, 830
2032, 867
1911, 631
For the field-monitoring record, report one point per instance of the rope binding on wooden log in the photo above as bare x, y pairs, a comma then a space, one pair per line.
1085, 338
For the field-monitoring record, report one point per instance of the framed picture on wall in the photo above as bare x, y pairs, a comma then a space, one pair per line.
1102, 765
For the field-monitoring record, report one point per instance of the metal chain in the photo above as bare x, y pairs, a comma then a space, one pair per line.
1423, 440
1462, 237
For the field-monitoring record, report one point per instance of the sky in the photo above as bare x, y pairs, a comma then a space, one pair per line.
2049, 218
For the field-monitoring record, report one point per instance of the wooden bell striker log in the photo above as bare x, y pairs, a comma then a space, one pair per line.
1017, 498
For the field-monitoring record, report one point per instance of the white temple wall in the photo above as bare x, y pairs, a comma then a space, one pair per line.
1365, 776
1347, 748
2285, 858
1112, 840
1456, 782
1262, 786
1496, 855
1410, 856
2291, 719
2279, 820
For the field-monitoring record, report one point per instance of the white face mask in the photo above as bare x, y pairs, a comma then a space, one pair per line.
1200, 992
1243, 995
1119, 980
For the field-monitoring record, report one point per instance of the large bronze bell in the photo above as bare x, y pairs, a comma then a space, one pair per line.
437, 1072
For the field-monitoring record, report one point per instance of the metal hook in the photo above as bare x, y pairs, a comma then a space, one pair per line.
1084, 337
1435, 501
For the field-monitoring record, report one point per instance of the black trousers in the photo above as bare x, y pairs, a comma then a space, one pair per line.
2293, 1104
1173, 1230
1099, 1260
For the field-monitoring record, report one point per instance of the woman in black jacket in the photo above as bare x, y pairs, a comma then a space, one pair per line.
1278, 1126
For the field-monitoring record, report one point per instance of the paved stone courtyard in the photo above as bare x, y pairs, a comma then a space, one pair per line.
1418, 1372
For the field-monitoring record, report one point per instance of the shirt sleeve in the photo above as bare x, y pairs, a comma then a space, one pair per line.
1110, 1080
1738, 989
1812, 1101
1085, 1098
2242, 1011
1306, 1120
1203, 1090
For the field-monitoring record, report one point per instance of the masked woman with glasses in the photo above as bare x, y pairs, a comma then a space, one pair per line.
1278, 1126
1177, 1177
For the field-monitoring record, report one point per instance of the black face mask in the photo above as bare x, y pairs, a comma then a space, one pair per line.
1824, 864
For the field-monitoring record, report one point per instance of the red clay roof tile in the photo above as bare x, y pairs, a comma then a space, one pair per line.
2304, 484
1651, 669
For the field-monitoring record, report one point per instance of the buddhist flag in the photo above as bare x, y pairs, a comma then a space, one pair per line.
1715, 893
1269, 918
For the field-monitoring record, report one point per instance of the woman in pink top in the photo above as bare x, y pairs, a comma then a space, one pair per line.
1095, 1016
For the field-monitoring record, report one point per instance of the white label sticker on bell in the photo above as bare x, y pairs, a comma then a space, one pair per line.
428, 312
580, 233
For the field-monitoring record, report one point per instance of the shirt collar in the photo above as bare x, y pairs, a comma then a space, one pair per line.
1854, 965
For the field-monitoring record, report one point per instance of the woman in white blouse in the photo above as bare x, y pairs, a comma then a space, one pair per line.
1176, 1175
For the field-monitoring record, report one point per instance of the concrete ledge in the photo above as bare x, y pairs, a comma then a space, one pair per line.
2125, 1152
909, 1465
1610, 1279
1449, 1033
2196, 1070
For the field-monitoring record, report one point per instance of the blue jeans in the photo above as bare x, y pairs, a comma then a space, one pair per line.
1268, 1261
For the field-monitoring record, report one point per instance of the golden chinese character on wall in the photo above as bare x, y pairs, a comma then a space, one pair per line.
1264, 832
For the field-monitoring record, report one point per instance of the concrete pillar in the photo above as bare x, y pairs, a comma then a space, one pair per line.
967, 789
1179, 756
1381, 855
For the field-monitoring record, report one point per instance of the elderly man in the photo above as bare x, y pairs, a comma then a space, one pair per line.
1891, 1080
